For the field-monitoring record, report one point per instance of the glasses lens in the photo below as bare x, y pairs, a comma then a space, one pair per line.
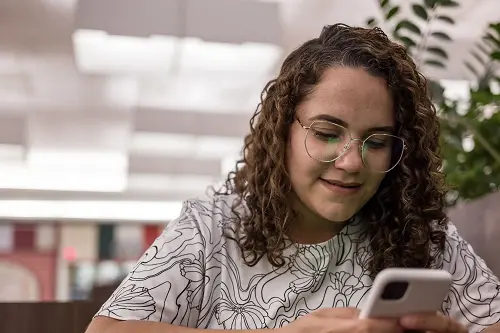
382, 152
325, 141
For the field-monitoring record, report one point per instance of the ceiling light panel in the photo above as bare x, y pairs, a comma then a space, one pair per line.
91, 210
202, 56
99, 53
185, 145
12, 154
60, 179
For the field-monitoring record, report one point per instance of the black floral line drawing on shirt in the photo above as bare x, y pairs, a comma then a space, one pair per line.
193, 276
473, 284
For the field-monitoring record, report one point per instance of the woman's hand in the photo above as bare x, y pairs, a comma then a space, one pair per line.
341, 320
432, 322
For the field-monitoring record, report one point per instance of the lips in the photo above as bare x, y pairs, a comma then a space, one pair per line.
342, 184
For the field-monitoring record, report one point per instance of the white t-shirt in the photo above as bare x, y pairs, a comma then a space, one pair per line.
194, 276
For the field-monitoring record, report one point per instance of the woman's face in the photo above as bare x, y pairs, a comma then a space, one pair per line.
363, 104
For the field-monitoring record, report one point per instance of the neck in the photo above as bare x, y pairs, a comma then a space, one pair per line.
309, 228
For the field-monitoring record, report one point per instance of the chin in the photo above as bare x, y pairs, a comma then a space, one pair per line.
337, 214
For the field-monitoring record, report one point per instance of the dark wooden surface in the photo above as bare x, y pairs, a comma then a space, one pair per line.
46, 317
53, 317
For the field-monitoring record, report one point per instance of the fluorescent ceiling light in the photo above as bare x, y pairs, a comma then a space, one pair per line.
184, 145
84, 161
91, 210
68, 171
11, 153
60, 179
199, 56
168, 183
178, 73
98, 52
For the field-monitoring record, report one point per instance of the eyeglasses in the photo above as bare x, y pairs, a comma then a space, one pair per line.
326, 142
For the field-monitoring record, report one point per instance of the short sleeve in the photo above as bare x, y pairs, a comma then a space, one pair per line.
167, 283
474, 298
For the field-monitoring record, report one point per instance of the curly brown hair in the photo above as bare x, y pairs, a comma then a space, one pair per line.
405, 219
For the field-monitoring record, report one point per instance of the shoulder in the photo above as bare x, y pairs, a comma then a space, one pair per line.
454, 245
459, 256
206, 216
216, 206
474, 296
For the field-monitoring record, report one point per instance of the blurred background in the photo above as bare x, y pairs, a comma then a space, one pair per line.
114, 111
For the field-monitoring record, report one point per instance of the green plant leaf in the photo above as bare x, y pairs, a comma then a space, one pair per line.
446, 19
478, 58
489, 37
481, 47
448, 3
484, 97
438, 51
435, 63
384, 3
483, 82
407, 41
410, 26
392, 12
495, 55
496, 27
420, 11
430, 3
371, 22
471, 68
441, 35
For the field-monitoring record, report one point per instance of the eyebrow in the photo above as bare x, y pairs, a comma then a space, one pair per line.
338, 121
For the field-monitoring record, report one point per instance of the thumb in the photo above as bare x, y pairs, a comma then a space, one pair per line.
347, 313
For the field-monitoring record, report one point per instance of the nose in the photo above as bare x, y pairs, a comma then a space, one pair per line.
351, 161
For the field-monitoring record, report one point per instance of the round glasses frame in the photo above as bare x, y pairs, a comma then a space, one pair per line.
347, 146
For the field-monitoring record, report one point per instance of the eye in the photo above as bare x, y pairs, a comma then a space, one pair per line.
378, 141
324, 136
327, 132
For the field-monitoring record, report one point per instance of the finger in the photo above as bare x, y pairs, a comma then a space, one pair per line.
377, 325
361, 325
346, 313
435, 322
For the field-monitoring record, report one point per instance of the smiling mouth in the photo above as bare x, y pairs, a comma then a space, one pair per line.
342, 184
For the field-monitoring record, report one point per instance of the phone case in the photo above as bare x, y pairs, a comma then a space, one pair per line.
425, 292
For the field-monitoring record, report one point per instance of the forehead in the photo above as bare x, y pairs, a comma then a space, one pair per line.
353, 95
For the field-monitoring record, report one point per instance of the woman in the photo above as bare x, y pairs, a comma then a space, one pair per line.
340, 179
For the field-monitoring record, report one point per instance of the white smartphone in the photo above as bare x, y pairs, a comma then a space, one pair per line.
397, 292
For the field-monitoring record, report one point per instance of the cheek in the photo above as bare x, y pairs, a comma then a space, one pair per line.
302, 168
374, 183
